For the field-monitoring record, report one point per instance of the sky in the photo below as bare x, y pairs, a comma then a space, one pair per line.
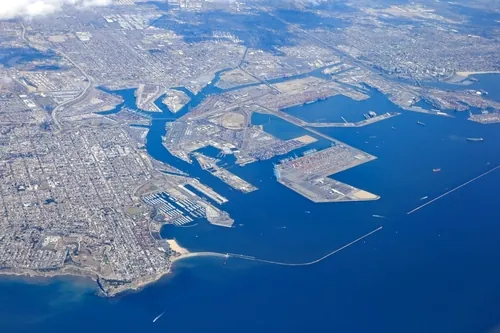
31, 8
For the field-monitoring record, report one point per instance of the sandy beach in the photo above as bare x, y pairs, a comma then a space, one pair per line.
176, 247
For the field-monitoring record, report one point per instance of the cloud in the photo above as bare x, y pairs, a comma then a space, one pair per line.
5, 80
31, 8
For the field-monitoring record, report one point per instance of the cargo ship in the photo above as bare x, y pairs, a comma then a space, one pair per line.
420, 123
475, 139
309, 152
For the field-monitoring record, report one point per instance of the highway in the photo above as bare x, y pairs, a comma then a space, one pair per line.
75, 100
253, 76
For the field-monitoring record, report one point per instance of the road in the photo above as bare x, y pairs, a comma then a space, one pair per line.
343, 55
75, 100
253, 76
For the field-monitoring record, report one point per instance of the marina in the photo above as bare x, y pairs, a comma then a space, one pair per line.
133, 142
175, 211
189, 286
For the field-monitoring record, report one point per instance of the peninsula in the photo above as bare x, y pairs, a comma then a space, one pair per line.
108, 114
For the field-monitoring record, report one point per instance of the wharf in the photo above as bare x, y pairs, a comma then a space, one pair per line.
206, 191
361, 123
308, 175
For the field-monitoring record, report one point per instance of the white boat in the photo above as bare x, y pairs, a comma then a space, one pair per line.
158, 317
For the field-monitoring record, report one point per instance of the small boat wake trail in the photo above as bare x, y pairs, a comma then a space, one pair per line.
453, 190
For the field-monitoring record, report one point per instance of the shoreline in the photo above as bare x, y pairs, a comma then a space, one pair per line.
35, 278
32, 278
467, 74
463, 78
91, 281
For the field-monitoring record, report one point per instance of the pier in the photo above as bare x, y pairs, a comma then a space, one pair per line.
219, 199
308, 263
265, 261
309, 174
299, 122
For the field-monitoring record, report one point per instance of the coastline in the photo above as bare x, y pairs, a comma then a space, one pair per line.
92, 279
463, 78
31, 277
467, 74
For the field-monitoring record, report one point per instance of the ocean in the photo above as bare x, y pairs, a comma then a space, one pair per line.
435, 270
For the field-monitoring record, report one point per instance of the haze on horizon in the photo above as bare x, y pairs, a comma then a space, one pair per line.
10, 9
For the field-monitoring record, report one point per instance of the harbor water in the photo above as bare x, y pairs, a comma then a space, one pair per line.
434, 270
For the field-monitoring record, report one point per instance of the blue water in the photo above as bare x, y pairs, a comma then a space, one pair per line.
334, 108
278, 127
486, 82
433, 271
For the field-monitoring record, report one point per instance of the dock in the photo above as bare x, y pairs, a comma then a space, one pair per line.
210, 193
308, 175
